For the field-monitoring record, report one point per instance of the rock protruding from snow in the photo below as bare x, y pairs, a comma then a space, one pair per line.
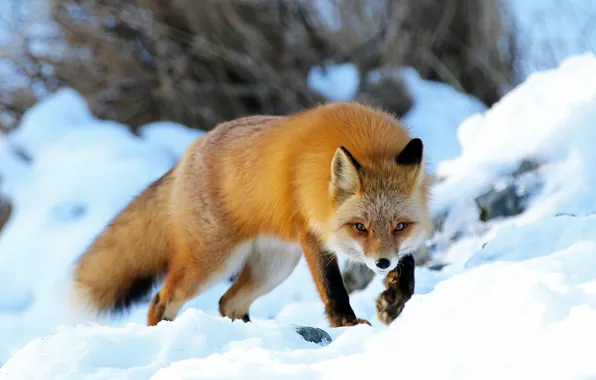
356, 276
510, 196
313, 334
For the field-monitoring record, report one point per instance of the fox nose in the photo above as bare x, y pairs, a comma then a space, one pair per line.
383, 263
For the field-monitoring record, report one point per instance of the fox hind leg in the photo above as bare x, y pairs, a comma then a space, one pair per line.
189, 279
180, 286
268, 265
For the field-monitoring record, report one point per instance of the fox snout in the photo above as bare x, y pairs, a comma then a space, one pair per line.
381, 264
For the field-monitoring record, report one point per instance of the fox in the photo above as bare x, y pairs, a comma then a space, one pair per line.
250, 198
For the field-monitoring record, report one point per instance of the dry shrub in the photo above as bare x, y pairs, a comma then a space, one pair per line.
469, 44
203, 62
23, 75
197, 63
473, 46
12, 106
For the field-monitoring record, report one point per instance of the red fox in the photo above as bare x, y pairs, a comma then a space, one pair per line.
251, 197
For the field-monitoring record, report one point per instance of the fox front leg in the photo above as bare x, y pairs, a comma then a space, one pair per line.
399, 288
329, 282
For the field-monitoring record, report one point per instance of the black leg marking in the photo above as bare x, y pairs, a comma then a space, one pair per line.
338, 306
329, 281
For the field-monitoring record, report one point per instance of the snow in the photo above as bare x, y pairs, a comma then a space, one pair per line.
51, 120
437, 111
80, 175
495, 143
171, 136
335, 82
517, 300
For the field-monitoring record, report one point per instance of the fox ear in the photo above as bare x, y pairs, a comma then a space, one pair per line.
345, 172
411, 154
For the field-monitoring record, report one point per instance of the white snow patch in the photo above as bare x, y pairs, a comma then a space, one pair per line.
83, 172
548, 118
172, 136
335, 82
465, 327
50, 120
436, 114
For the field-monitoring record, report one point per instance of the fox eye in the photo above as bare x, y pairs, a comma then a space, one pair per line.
360, 227
401, 226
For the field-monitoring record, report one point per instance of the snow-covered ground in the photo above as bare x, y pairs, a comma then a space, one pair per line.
517, 301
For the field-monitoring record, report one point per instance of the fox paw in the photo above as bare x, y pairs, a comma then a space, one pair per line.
156, 311
357, 321
399, 288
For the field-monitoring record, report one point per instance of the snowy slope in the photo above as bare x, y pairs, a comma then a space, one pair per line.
82, 172
518, 302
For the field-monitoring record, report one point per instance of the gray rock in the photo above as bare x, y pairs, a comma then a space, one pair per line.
526, 166
500, 203
356, 276
422, 255
314, 335
509, 201
439, 221
511, 198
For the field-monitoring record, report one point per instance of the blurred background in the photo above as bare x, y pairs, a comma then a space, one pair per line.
200, 62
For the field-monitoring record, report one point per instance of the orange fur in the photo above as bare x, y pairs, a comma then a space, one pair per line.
252, 195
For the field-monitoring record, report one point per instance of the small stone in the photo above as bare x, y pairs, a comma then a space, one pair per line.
437, 267
314, 335
506, 202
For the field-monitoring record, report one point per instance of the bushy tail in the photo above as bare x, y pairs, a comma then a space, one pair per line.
126, 260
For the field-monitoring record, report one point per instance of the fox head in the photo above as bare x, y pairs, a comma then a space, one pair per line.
381, 206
